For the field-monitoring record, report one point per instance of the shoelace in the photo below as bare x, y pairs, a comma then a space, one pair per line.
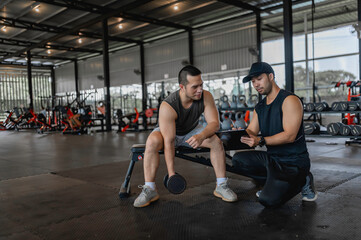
145, 190
307, 190
225, 187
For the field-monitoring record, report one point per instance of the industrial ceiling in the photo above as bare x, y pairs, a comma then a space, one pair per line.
56, 31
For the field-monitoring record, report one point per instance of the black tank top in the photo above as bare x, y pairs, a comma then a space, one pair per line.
187, 118
270, 119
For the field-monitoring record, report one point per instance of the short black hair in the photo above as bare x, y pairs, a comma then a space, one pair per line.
187, 70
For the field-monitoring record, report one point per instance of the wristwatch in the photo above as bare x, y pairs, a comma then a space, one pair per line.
262, 142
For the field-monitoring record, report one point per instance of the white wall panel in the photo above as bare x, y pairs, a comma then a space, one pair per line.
122, 66
89, 70
65, 78
165, 57
225, 44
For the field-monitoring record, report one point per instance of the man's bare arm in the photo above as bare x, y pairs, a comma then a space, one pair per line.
212, 119
253, 127
167, 118
292, 110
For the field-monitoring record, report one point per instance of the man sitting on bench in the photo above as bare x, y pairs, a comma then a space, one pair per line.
178, 126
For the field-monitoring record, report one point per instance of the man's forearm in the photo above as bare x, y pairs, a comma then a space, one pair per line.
210, 129
279, 139
169, 153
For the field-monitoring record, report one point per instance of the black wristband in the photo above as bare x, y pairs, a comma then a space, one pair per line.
262, 142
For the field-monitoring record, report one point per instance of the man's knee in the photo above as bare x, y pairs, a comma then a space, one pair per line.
242, 160
154, 142
214, 143
270, 202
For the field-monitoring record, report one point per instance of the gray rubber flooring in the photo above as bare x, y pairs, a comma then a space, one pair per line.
55, 186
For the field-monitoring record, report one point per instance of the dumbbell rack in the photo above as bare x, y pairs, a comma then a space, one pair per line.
353, 139
237, 109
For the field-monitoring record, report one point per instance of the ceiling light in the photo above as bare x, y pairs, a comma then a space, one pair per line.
3, 29
37, 8
48, 63
49, 51
176, 7
120, 26
80, 40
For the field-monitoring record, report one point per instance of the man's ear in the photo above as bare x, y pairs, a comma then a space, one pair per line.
181, 86
271, 76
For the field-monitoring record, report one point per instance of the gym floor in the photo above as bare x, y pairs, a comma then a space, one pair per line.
55, 186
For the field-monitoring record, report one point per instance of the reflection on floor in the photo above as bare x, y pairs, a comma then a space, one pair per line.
55, 186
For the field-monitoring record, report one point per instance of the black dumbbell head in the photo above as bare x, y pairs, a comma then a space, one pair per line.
334, 128
310, 107
176, 184
356, 130
345, 130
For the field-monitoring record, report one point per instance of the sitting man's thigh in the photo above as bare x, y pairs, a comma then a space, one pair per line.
181, 140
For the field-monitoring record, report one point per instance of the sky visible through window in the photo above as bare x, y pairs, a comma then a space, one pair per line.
334, 42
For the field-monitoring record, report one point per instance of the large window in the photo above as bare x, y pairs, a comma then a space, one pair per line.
336, 59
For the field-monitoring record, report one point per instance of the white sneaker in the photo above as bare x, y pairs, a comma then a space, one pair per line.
223, 191
147, 196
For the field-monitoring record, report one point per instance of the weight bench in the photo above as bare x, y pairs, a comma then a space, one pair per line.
137, 154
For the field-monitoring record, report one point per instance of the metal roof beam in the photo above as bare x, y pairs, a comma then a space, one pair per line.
240, 4
4, 3
92, 8
84, 25
9, 55
12, 42
16, 23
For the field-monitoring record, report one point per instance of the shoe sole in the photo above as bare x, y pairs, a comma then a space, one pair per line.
310, 200
148, 203
224, 199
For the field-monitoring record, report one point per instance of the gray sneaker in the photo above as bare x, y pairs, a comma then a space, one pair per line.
223, 191
147, 196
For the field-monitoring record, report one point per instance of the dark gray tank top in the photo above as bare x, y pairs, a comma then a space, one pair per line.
187, 118
270, 119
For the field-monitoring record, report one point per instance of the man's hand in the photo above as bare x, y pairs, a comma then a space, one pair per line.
195, 141
251, 141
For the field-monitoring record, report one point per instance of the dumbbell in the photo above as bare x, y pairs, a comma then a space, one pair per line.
343, 106
336, 106
356, 130
175, 184
353, 106
310, 107
345, 130
311, 128
321, 106
334, 128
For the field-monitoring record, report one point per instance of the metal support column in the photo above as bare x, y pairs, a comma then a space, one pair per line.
190, 46
144, 86
142, 76
76, 74
359, 40
259, 36
53, 90
106, 75
288, 32
259, 43
30, 82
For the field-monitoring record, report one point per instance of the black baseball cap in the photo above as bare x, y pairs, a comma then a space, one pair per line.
257, 69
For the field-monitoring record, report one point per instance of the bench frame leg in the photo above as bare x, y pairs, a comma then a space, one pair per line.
124, 191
